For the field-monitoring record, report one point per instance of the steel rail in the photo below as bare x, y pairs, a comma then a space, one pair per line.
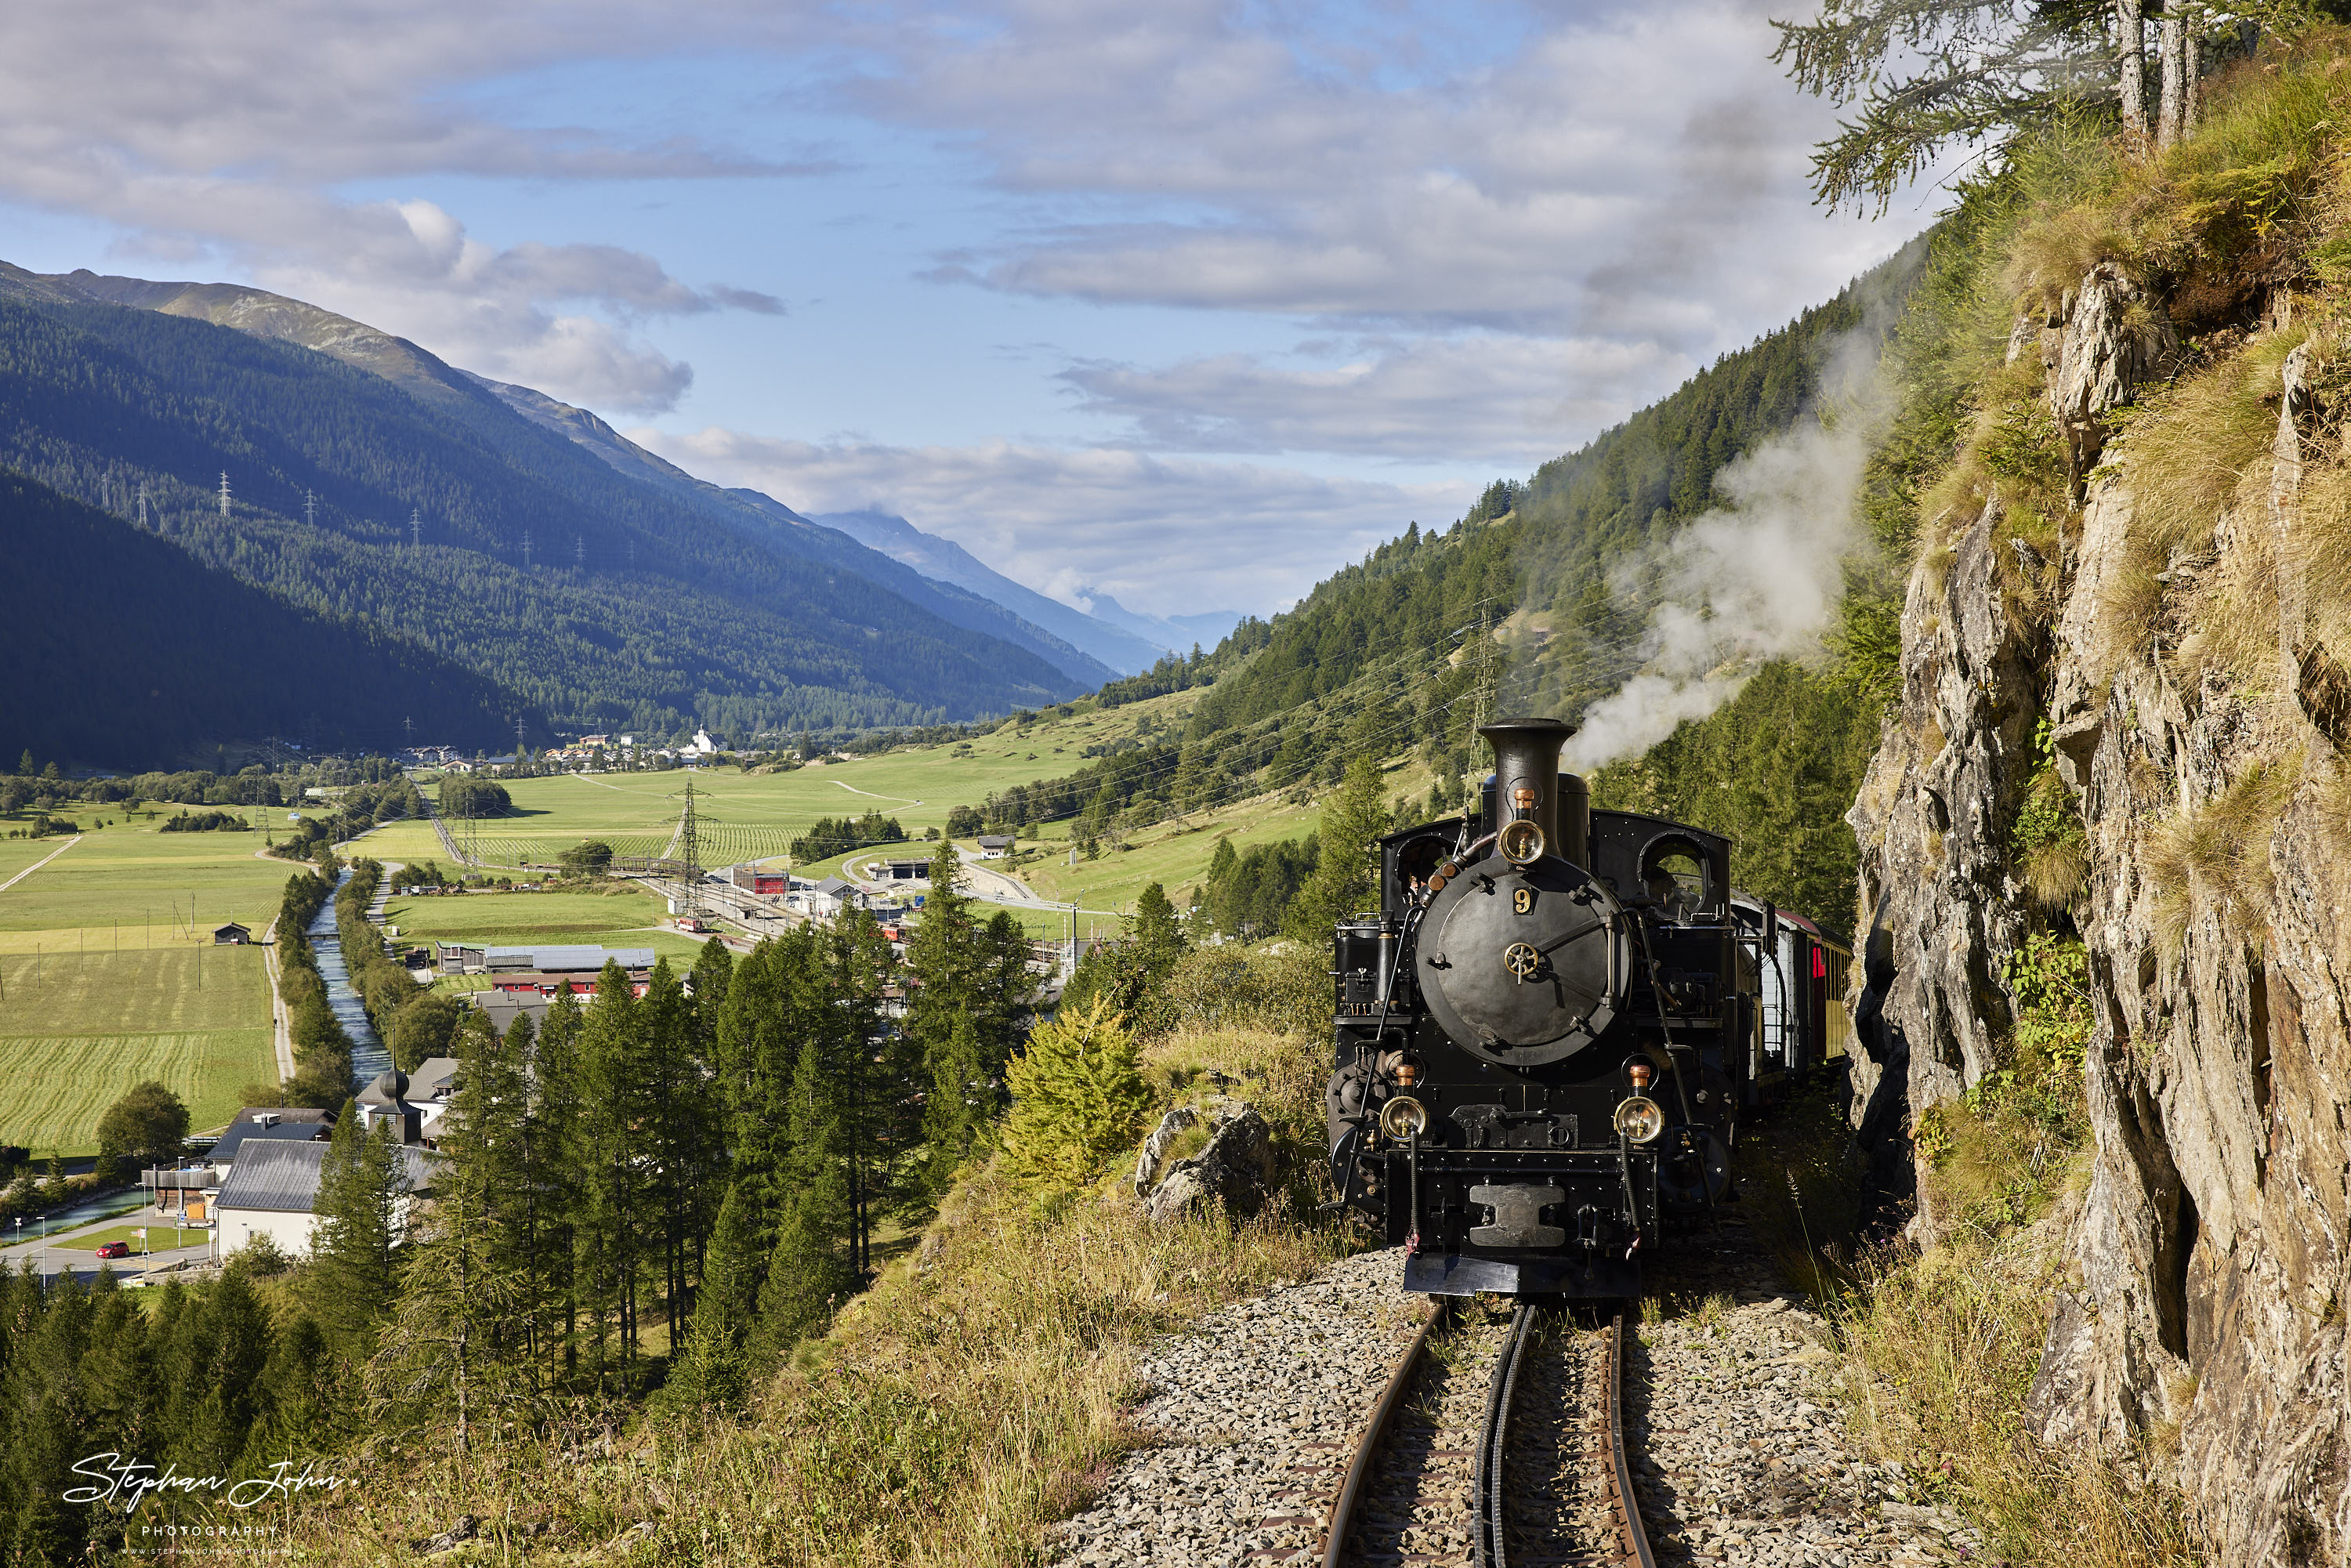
1631, 1534
1340, 1523
1487, 1494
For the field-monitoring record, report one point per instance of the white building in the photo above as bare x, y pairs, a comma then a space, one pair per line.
273, 1189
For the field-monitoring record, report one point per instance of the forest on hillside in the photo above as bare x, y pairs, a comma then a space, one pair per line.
124, 652
461, 526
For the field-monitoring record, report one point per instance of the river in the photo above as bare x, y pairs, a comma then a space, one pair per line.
368, 1055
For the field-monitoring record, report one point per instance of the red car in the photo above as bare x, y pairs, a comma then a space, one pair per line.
115, 1250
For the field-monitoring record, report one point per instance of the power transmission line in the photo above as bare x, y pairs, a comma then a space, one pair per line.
223, 493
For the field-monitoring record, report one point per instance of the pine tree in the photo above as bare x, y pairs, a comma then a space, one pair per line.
458, 1350
721, 1361
557, 1158
226, 1353
809, 1273
1077, 1099
1353, 821
352, 1278
612, 1115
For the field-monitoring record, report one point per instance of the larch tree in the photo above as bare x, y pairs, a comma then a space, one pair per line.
353, 1276
1352, 819
1930, 76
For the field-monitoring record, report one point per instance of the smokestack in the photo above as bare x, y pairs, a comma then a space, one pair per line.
1528, 786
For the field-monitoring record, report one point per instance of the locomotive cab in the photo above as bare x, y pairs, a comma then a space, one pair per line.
1537, 1036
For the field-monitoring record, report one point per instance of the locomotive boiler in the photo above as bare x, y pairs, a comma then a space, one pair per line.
1550, 1031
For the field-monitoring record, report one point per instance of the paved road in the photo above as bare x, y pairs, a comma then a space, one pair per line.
69, 1251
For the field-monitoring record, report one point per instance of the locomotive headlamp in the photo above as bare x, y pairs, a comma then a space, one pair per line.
1637, 1117
1520, 842
1405, 1117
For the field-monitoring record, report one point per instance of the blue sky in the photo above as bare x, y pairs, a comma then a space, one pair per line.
1187, 303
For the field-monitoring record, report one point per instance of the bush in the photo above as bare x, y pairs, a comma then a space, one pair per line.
1078, 1101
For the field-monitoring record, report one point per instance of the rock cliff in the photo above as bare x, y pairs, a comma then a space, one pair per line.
2194, 710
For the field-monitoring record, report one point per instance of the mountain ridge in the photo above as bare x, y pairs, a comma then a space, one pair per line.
944, 560
595, 599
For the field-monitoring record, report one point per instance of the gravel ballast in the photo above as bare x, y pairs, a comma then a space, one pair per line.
1256, 1412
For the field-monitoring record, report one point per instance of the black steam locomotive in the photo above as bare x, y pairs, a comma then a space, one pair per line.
1548, 1034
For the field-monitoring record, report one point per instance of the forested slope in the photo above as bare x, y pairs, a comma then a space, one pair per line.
123, 650
1514, 608
598, 600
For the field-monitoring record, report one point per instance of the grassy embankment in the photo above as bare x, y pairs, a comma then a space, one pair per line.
99, 985
982, 1389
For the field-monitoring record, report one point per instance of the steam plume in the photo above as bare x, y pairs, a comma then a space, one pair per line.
1754, 579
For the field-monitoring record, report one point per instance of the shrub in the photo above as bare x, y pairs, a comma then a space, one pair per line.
1077, 1099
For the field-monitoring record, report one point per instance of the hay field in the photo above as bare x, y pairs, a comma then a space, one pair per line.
78, 1030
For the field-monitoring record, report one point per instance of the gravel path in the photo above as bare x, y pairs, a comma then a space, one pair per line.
1740, 1461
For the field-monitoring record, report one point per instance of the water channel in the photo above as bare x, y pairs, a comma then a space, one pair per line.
369, 1056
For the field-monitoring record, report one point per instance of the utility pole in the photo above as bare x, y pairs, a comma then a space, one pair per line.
689, 844
223, 493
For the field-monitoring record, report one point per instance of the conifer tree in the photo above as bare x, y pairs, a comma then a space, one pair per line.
352, 1278
226, 1354
1077, 1099
721, 1361
459, 1349
612, 1113
557, 1158
1342, 884
811, 1270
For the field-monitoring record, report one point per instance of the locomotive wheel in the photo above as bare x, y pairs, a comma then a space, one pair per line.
1524, 965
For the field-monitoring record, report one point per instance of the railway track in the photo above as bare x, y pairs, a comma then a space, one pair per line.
1497, 1444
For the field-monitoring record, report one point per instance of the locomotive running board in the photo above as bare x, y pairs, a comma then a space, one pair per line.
1452, 1274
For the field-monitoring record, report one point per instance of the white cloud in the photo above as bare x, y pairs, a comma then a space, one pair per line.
1509, 402
217, 132
1637, 174
1166, 536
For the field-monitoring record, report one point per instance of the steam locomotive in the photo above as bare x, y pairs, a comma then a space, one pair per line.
1551, 1032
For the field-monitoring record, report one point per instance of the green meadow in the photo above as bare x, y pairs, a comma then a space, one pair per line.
622, 917
79, 1029
129, 887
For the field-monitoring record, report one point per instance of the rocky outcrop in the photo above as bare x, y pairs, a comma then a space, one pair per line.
1236, 1172
2201, 1334
1154, 1154
2212, 1248
2108, 337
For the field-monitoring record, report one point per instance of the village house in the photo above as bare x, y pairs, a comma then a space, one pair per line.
188, 1188
272, 1185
